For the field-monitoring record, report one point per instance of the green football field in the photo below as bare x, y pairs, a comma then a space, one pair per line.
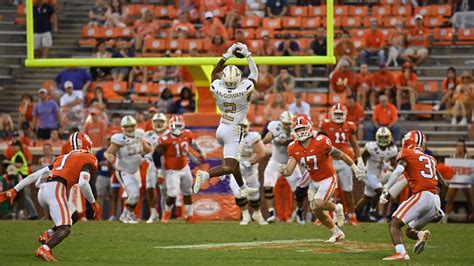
227, 243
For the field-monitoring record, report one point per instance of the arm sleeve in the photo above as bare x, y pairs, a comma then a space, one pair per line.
86, 187
253, 69
394, 176
31, 178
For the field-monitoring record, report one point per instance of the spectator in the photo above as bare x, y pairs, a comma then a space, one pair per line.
463, 95
406, 83
97, 15
122, 51
275, 108
6, 127
267, 48
235, 10
45, 21
284, 81
95, 128
116, 14
265, 82
374, 44
383, 82
385, 115
140, 118
448, 87
189, 7
363, 84
239, 36
71, 104
342, 80
185, 103
165, 103
299, 106
104, 177
148, 123
9, 151
48, 157
46, 115
276, 8
218, 46
345, 49
26, 109
397, 41
417, 50
18, 159
255, 8
100, 73
114, 125
144, 28
182, 28
356, 114
80, 78
318, 45
288, 47
212, 27
54, 139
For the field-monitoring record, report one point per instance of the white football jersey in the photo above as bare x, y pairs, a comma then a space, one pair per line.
129, 154
375, 163
232, 103
152, 138
246, 145
279, 152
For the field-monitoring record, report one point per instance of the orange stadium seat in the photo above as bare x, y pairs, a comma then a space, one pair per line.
110, 33
88, 43
155, 44
441, 10
358, 33
402, 10
290, 96
291, 22
250, 22
386, 32
304, 43
443, 36
254, 44
382, 11
390, 2
340, 11
392, 21
49, 84
317, 11
358, 11
409, 22
366, 20
272, 23
314, 98
264, 32
358, 42
298, 11
123, 32
192, 44
337, 98
423, 107
424, 10
112, 88
465, 36
311, 23
220, 12
427, 87
145, 88
351, 22
433, 22
143, 99
249, 33
93, 32
173, 44
165, 11
337, 22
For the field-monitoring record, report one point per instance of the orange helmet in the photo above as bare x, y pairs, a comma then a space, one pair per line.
301, 128
176, 125
338, 113
80, 141
414, 139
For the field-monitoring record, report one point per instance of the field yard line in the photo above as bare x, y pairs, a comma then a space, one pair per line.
240, 244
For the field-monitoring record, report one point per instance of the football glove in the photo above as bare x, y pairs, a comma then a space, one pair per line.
9, 194
230, 52
244, 49
360, 174
360, 163
384, 196
96, 209
281, 168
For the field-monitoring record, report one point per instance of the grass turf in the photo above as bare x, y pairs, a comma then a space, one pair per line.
102, 243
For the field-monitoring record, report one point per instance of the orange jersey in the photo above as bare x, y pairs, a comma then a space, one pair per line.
314, 157
68, 166
176, 154
420, 170
340, 134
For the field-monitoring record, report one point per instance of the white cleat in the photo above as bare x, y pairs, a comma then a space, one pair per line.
423, 236
398, 256
201, 178
272, 217
257, 217
336, 237
299, 217
248, 191
340, 217
245, 218
153, 218
131, 218
123, 217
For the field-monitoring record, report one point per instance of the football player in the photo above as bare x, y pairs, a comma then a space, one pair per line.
252, 152
125, 152
342, 133
153, 174
174, 145
315, 152
232, 94
54, 182
378, 155
424, 205
279, 134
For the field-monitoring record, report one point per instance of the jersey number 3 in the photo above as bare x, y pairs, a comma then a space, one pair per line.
307, 160
429, 165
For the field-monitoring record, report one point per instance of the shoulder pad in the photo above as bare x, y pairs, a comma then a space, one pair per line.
118, 139
254, 137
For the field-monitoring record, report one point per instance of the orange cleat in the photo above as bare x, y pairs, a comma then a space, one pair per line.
353, 220
166, 217
44, 254
44, 237
317, 222
398, 256
191, 220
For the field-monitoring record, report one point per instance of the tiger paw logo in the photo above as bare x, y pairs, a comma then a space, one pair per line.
207, 143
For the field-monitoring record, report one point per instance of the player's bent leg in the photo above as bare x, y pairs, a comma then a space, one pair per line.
132, 188
151, 180
325, 219
395, 226
269, 197
300, 194
257, 214
242, 203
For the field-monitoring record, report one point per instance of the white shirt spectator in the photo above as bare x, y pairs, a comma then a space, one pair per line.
301, 108
69, 98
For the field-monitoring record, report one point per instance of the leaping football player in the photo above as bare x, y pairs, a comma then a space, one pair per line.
174, 145
424, 205
232, 96
54, 182
315, 153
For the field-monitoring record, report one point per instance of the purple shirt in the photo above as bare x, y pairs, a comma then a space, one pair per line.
47, 114
77, 76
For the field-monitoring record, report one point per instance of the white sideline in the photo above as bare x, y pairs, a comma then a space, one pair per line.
240, 244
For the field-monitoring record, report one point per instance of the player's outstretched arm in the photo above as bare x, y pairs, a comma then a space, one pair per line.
109, 154
339, 155
252, 66
259, 150
287, 170
356, 149
159, 151
220, 65
397, 172
199, 150
84, 177
30, 179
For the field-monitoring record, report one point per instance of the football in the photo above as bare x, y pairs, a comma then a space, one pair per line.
237, 52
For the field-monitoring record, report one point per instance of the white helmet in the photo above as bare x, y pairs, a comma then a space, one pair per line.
176, 125
286, 119
128, 124
383, 137
231, 76
159, 122
338, 113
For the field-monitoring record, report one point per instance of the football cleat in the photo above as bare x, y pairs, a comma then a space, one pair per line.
423, 236
271, 216
153, 217
245, 218
123, 217
166, 217
201, 178
398, 256
373, 216
340, 217
131, 218
44, 254
257, 217
317, 222
299, 217
191, 220
353, 220
248, 191
44, 237
336, 237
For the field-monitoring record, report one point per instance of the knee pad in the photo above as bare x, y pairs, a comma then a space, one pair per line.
241, 202
301, 193
268, 191
255, 204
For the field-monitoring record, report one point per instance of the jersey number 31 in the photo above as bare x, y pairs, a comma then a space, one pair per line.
430, 165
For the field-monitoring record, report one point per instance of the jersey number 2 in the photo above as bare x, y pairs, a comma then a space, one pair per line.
230, 108
305, 160
430, 165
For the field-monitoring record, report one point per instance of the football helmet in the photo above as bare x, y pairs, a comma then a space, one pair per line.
338, 113
414, 139
286, 119
159, 122
128, 124
231, 76
301, 128
176, 125
79, 141
383, 137
246, 127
